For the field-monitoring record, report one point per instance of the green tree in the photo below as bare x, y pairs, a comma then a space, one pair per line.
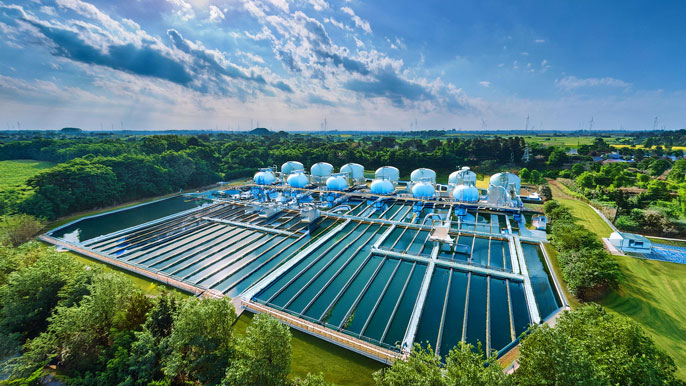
525, 174
557, 157
546, 193
18, 229
201, 341
590, 346
577, 169
535, 177
263, 355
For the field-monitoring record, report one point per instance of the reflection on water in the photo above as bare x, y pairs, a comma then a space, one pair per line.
107, 223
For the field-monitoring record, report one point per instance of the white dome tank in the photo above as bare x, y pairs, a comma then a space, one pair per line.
387, 173
265, 177
505, 180
466, 193
297, 180
423, 174
499, 196
355, 171
423, 190
463, 176
336, 183
381, 187
321, 169
292, 167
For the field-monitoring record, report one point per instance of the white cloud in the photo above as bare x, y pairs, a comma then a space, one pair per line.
216, 14
359, 22
183, 9
485, 83
539, 41
572, 82
48, 10
280, 4
318, 5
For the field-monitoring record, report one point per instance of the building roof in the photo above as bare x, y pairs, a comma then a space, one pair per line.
633, 236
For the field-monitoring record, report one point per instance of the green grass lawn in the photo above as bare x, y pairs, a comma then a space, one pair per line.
653, 294
584, 214
312, 355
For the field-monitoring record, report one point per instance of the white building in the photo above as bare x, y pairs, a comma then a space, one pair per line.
630, 242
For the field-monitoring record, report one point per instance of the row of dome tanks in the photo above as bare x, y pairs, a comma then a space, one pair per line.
503, 187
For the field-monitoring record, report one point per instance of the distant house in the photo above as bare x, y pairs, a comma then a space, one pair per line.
573, 152
597, 159
630, 242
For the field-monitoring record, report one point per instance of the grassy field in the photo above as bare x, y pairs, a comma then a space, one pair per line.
572, 142
653, 294
643, 147
584, 214
310, 354
15, 173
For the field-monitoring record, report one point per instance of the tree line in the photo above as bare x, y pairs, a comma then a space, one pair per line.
94, 173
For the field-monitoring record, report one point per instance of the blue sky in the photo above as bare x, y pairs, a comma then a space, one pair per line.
363, 65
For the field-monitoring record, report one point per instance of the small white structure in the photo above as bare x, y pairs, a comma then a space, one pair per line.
630, 242
539, 222
466, 193
264, 177
423, 189
382, 187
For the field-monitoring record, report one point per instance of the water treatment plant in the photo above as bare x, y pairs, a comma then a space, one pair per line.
369, 262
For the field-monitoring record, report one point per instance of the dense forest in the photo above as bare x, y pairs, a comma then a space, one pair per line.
99, 172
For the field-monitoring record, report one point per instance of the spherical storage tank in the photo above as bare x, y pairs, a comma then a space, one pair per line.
423, 174
463, 176
321, 169
336, 183
292, 167
506, 179
423, 189
264, 177
466, 193
387, 173
297, 180
382, 187
355, 171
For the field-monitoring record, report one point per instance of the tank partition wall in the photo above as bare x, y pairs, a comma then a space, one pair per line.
470, 307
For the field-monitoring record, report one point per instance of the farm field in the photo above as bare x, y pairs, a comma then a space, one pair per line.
643, 147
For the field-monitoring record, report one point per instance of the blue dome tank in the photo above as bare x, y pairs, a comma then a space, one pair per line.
264, 178
423, 190
466, 193
382, 187
336, 183
297, 180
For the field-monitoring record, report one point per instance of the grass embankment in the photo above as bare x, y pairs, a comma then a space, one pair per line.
584, 214
311, 354
652, 292
15, 173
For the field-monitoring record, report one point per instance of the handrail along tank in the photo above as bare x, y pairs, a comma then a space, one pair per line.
291, 167
355, 173
320, 171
